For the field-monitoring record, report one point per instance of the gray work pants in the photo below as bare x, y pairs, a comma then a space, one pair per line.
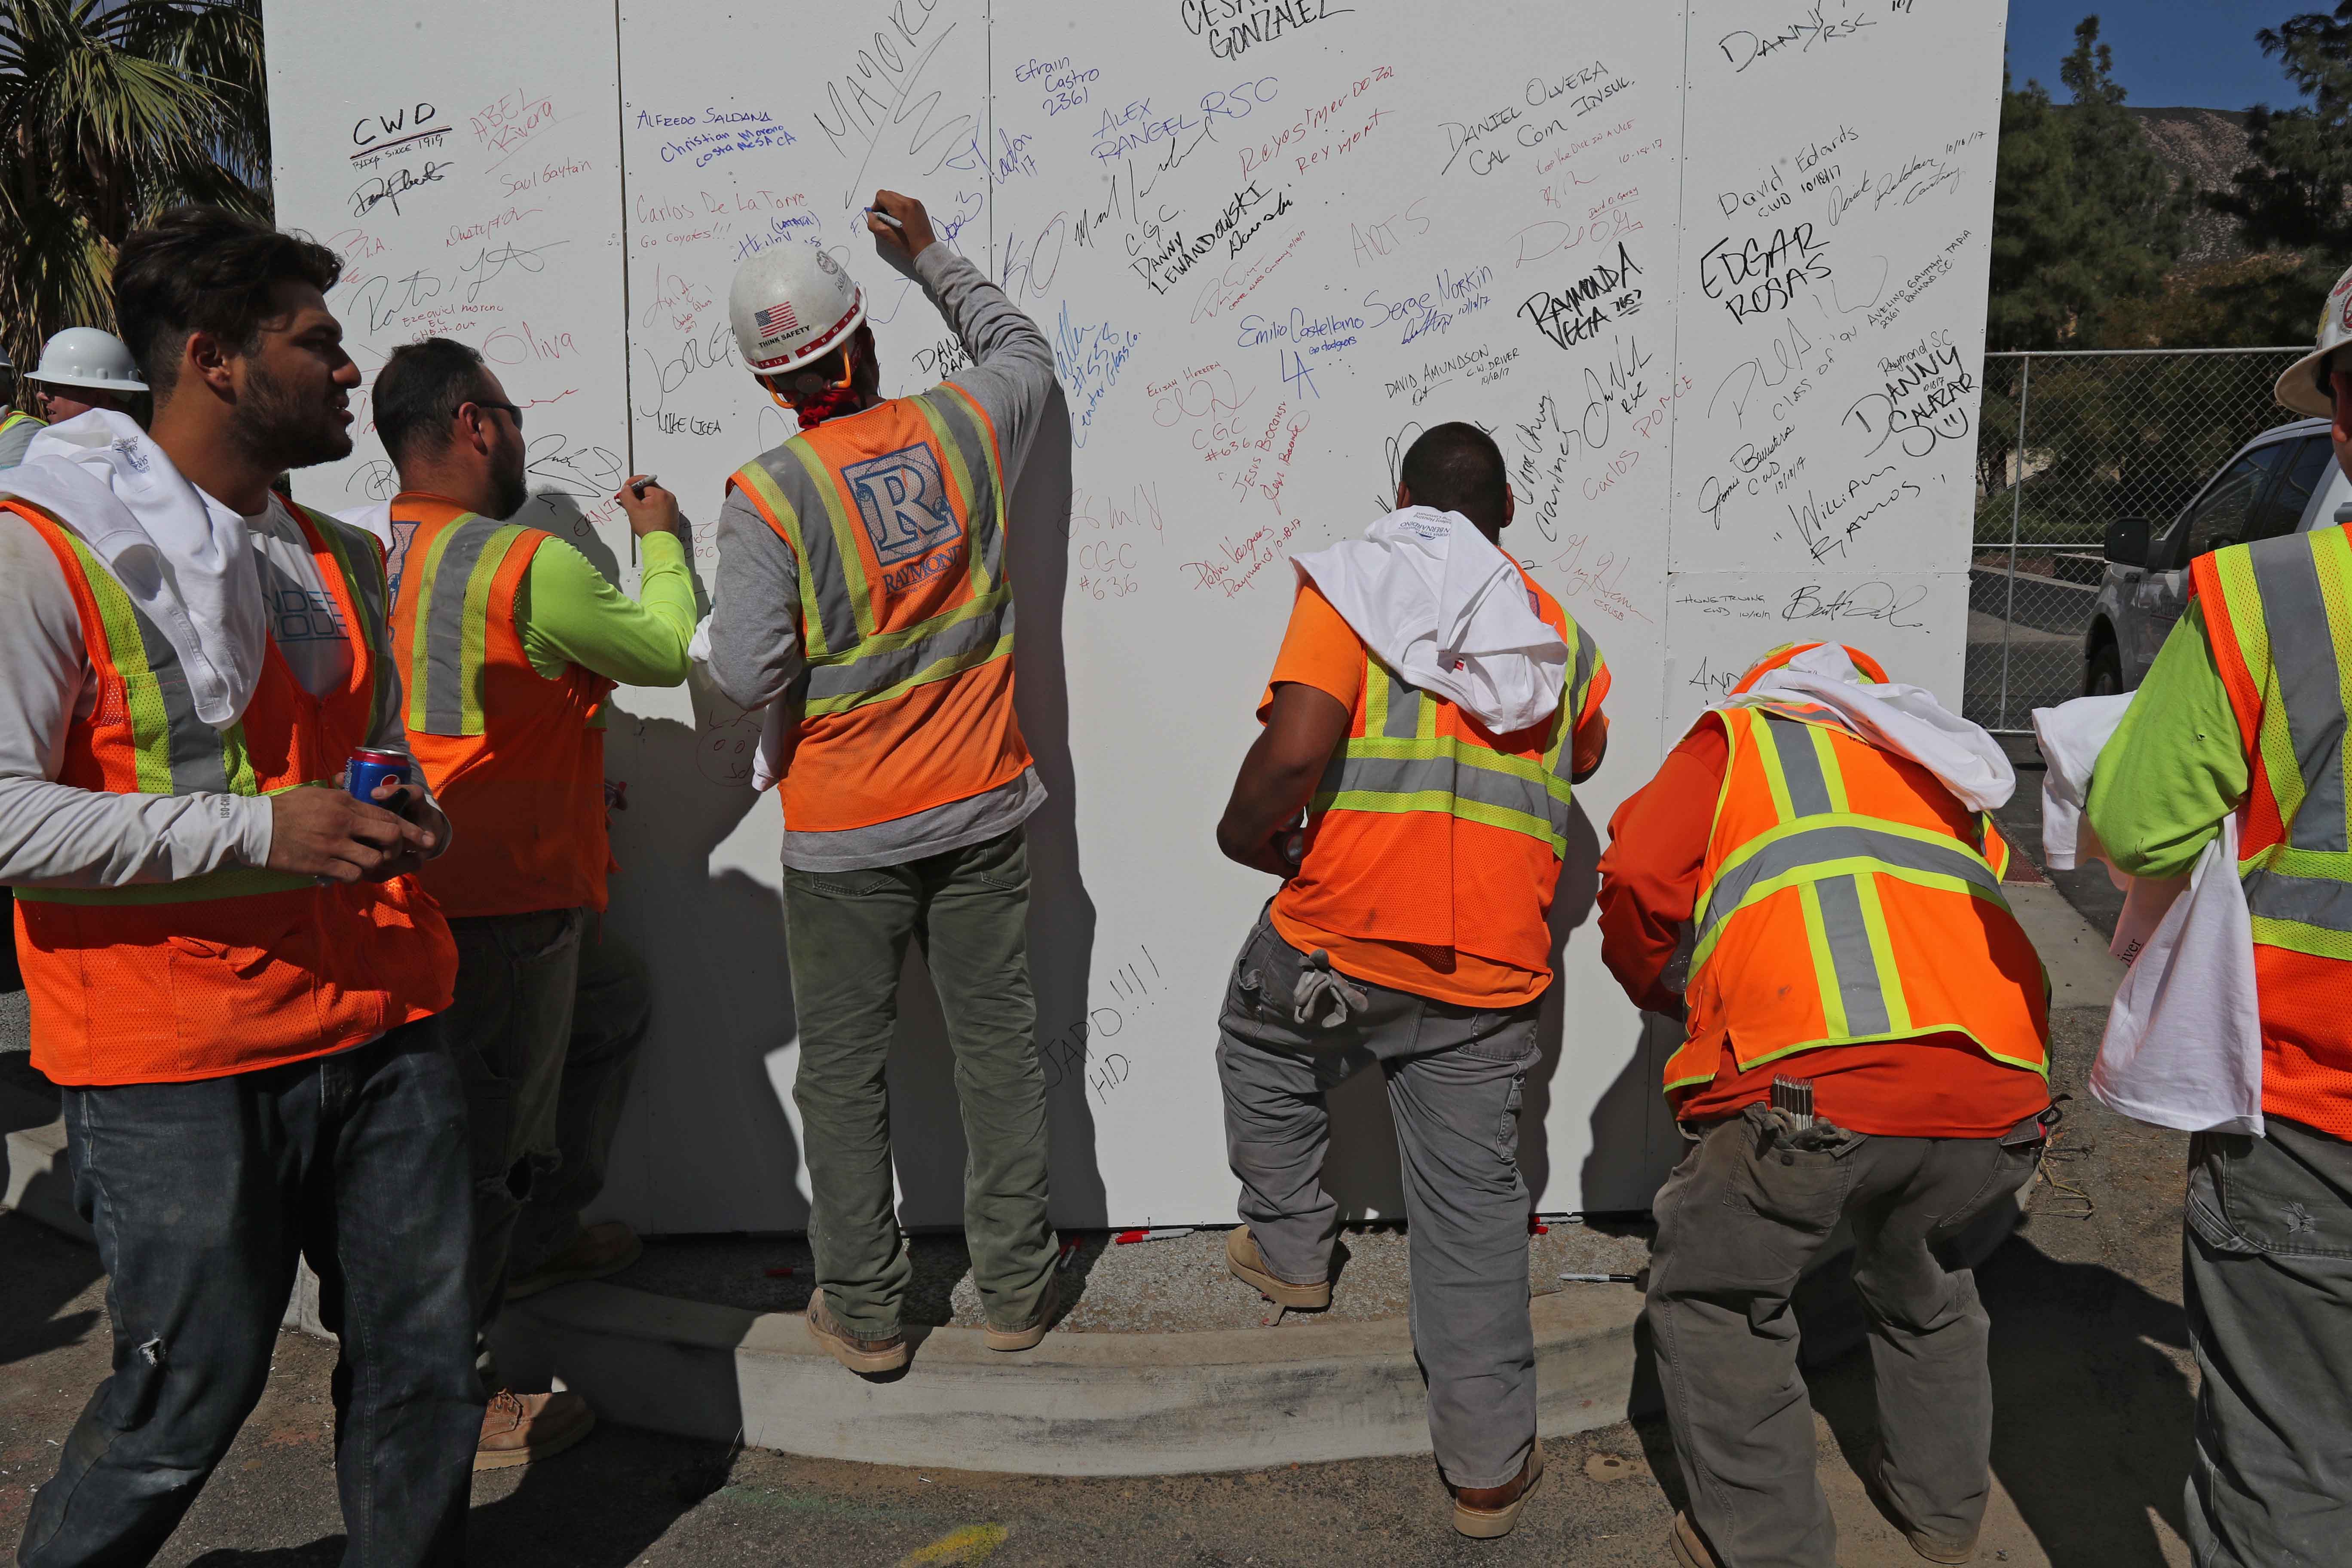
2268, 1282
1454, 1080
968, 909
1749, 1207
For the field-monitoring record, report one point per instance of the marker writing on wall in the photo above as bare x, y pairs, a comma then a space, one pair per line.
886, 218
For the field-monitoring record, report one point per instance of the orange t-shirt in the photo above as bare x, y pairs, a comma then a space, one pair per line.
1322, 651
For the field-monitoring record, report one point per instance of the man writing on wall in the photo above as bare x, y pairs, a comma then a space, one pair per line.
862, 585
232, 971
507, 642
1433, 750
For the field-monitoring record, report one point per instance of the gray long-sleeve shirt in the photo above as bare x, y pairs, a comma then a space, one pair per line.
60, 835
756, 650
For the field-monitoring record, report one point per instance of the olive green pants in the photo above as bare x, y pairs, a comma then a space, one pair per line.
848, 932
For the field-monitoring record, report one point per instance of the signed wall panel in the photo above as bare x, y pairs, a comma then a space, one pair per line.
1711, 276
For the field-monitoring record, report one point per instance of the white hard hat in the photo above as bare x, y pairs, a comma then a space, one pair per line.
86, 356
790, 305
2303, 386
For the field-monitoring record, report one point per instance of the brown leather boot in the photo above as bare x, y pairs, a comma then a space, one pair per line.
607, 1248
860, 1355
1029, 1333
1484, 1512
1243, 1261
519, 1427
1691, 1550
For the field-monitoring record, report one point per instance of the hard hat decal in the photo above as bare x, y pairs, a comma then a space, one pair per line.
777, 320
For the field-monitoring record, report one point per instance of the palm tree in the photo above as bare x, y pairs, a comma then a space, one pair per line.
110, 112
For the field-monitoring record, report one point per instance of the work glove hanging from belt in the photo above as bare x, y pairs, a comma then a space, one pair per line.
1319, 985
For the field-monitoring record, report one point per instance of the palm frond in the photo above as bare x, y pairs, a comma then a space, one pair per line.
112, 110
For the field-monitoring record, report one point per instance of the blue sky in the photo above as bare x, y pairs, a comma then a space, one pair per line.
2200, 53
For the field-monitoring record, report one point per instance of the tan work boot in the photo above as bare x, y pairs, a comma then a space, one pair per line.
1243, 1261
607, 1248
864, 1356
519, 1427
1691, 1549
1935, 1548
1026, 1336
1484, 1512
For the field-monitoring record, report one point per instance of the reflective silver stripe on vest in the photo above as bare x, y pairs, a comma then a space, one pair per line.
2319, 901
1848, 937
1819, 846
445, 630
1446, 776
194, 746
863, 673
820, 550
1403, 720
1801, 765
2304, 654
355, 550
987, 540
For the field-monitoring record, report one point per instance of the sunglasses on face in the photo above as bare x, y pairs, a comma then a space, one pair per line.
516, 413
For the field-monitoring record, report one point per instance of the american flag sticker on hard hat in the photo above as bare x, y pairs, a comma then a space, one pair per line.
777, 320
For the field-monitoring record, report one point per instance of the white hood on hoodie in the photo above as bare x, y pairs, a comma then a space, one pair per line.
1439, 604
188, 566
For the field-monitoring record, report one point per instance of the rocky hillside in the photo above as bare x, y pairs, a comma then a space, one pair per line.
2202, 147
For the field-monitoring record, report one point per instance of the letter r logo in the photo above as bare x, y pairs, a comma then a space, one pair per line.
903, 499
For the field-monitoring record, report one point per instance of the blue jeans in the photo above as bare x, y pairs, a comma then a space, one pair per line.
202, 1195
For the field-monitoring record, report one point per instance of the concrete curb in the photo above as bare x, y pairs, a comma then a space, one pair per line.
40, 1180
1079, 1404
1091, 1403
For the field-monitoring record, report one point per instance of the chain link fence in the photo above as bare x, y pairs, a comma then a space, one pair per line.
2067, 442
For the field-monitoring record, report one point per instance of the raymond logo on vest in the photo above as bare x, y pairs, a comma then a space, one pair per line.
904, 501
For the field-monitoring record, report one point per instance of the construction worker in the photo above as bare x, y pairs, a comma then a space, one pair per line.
2244, 711
84, 368
231, 969
862, 586
1812, 884
1411, 931
507, 641
17, 427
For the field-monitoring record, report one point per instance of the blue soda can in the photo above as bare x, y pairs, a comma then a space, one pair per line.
370, 768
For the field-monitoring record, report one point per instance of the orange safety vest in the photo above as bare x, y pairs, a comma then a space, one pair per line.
516, 759
896, 516
241, 968
1430, 829
1845, 898
2294, 858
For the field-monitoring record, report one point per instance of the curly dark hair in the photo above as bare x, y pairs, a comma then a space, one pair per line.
206, 269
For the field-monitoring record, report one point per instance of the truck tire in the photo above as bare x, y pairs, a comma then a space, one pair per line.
2104, 675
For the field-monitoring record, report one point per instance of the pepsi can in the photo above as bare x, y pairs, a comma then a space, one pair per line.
370, 768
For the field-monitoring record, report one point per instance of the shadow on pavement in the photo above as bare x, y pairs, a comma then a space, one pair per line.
601, 1505
2091, 1417
43, 1272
